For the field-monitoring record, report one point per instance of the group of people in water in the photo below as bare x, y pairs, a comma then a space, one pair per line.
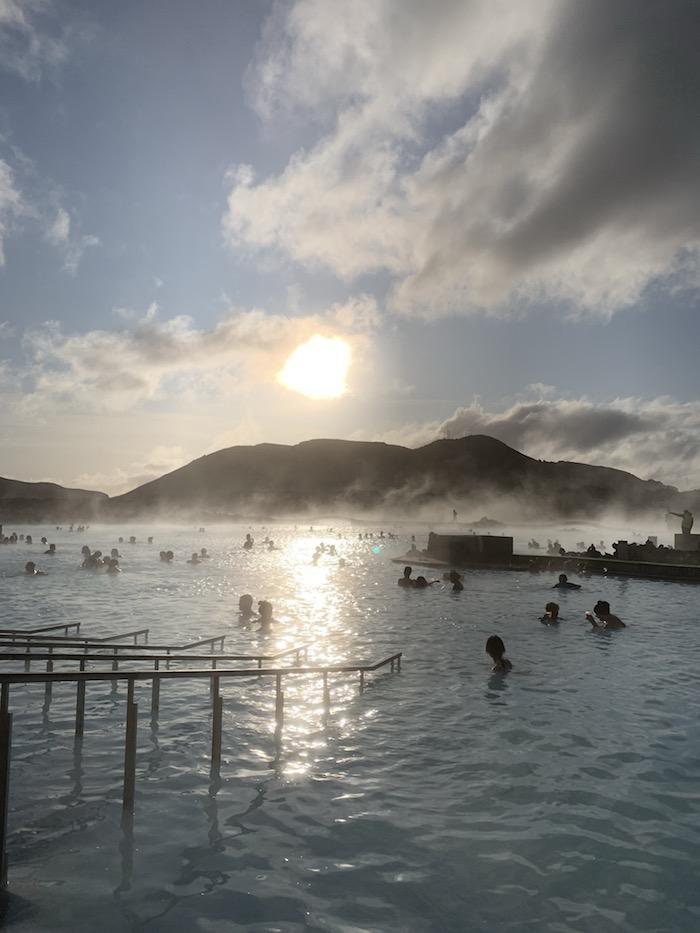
601, 618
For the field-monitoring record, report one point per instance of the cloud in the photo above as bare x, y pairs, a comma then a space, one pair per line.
483, 153
11, 203
114, 482
32, 37
73, 246
154, 359
655, 439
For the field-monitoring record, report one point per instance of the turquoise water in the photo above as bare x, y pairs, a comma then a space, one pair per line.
564, 796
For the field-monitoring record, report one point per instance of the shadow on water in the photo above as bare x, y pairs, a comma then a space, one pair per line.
497, 688
15, 909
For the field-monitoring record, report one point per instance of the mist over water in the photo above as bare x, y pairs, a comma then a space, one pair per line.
561, 797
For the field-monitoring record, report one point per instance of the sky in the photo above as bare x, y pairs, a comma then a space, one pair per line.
495, 206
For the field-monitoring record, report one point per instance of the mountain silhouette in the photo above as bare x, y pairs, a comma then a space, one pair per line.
476, 471
269, 479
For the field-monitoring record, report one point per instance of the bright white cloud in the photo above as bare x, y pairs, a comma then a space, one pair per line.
568, 168
150, 358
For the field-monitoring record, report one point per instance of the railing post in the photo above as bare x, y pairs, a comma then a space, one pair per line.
48, 689
27, 662
80, 705
398, 663
155, 692
167, 663
4, 698
279, 706
216, 722
362, 681
326, 695
259, 666
5, 754
132, 712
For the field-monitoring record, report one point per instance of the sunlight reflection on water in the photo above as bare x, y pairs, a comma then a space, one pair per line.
563, 796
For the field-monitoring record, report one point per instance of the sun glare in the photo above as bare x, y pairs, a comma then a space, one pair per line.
317, 368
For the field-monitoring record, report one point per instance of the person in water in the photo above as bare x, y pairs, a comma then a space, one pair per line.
248, 543
564, 584
195, 559
496, 650
421, 583
51, 550
406, 580
603, 618
113, 566
31, 571
551, 614
245, 606
456, 581
204, 554
265, 612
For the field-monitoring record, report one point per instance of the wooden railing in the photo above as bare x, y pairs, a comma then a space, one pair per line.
82, 678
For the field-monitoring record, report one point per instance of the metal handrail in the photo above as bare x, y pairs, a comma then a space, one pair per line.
23, 636
82, 677
53, 656
44, 628
78, 676
104, 643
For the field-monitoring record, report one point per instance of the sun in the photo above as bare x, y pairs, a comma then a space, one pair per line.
317, 368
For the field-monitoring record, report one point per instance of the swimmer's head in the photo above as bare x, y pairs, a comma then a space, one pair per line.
495, 647
265, 610
30, 567
245, 603
407, 571
563, 578
602, 608
552, 608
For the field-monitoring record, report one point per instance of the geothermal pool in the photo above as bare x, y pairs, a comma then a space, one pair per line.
564, 796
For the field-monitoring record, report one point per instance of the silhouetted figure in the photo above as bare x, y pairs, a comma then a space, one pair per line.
592, 551
248, 543
115, 553
31, 571
406, 580
245, 606
265, 613
204, 554
603, 618
421, 583
113, 566
132, 540
456, 581
551, 614
564, 584
194, 559
169, 556
150, 540
51, 550
496, 650
28, 539
686, 518
163, 556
